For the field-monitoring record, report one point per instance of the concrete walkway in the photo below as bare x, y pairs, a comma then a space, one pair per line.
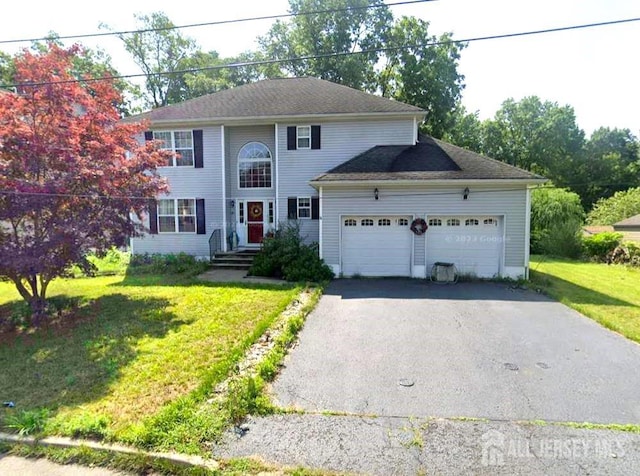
14, 465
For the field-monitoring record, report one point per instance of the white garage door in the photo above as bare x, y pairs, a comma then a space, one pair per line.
376, 245
473, 243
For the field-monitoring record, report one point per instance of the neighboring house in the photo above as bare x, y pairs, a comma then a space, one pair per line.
630, 228
590, 230
348, 167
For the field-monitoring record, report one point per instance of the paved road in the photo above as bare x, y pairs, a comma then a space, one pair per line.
402, 446
470, 350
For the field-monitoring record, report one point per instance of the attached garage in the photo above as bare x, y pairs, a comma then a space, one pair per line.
473, 243
376, 245
477, 211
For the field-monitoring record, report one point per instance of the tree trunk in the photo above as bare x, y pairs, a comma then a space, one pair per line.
36, 298
38, 305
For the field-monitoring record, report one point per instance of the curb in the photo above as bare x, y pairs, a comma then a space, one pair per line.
62, 442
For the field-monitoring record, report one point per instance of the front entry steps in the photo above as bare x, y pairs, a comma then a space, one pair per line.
241, 259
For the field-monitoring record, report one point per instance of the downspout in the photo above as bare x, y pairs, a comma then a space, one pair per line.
224, 191
527, 234
320, 220
277, 199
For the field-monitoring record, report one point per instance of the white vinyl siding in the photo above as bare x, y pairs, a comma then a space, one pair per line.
416, 202
341, 141
191, 182
237, 137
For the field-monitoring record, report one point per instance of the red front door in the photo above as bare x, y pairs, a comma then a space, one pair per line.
255, 222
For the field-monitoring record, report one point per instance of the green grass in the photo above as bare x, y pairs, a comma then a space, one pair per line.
606, 293
132, 358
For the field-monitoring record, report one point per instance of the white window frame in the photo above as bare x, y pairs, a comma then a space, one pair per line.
173, 149
300, 136
304, 207
176, 216
252, 160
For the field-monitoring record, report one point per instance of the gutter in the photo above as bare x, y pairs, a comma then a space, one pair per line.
405, 182
253, 120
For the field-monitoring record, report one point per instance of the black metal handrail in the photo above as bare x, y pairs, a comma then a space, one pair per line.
215, 243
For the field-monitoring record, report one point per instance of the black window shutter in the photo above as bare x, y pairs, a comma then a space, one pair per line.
315, 137
292, 205
148, 135
315, 208
198, 152
292, 138
201, 227
153, 217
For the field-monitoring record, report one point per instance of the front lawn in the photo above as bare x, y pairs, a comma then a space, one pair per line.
609, 294
135, 357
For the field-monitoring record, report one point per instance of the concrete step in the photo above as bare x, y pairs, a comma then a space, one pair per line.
233, 259
243, 266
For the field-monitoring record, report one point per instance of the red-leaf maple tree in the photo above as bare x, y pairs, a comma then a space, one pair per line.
71, 173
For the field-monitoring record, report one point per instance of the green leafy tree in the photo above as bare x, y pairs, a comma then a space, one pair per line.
556, 222
467, 130
210, 73
620, 206
542, 137
157, 49
611, 163
7, 69
326, 33
95, 63
419, 72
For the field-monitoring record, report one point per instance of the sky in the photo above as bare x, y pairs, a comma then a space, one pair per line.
594, 70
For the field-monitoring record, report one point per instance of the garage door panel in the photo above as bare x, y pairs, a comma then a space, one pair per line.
383, 249
474, 249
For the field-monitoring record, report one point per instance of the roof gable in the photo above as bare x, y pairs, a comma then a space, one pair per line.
279, 97
633, 221
430, 159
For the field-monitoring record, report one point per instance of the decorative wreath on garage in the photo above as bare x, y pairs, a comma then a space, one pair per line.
419, 226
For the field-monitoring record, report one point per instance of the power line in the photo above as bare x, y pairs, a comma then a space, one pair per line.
220, 22
411, 194
328, 55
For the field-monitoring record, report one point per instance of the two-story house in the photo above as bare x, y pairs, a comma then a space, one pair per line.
349, 166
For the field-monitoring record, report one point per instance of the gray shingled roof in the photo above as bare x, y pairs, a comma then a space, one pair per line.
430, 159
279, 97
632, 222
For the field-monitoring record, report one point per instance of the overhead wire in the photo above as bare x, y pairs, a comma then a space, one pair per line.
341, 197
214, 23
326, 55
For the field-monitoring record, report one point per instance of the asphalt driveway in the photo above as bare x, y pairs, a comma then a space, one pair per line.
411, 349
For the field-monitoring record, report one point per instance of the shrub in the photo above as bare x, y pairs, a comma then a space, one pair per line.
599, 246
28, 422
181, 263
284, 255
556, 222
